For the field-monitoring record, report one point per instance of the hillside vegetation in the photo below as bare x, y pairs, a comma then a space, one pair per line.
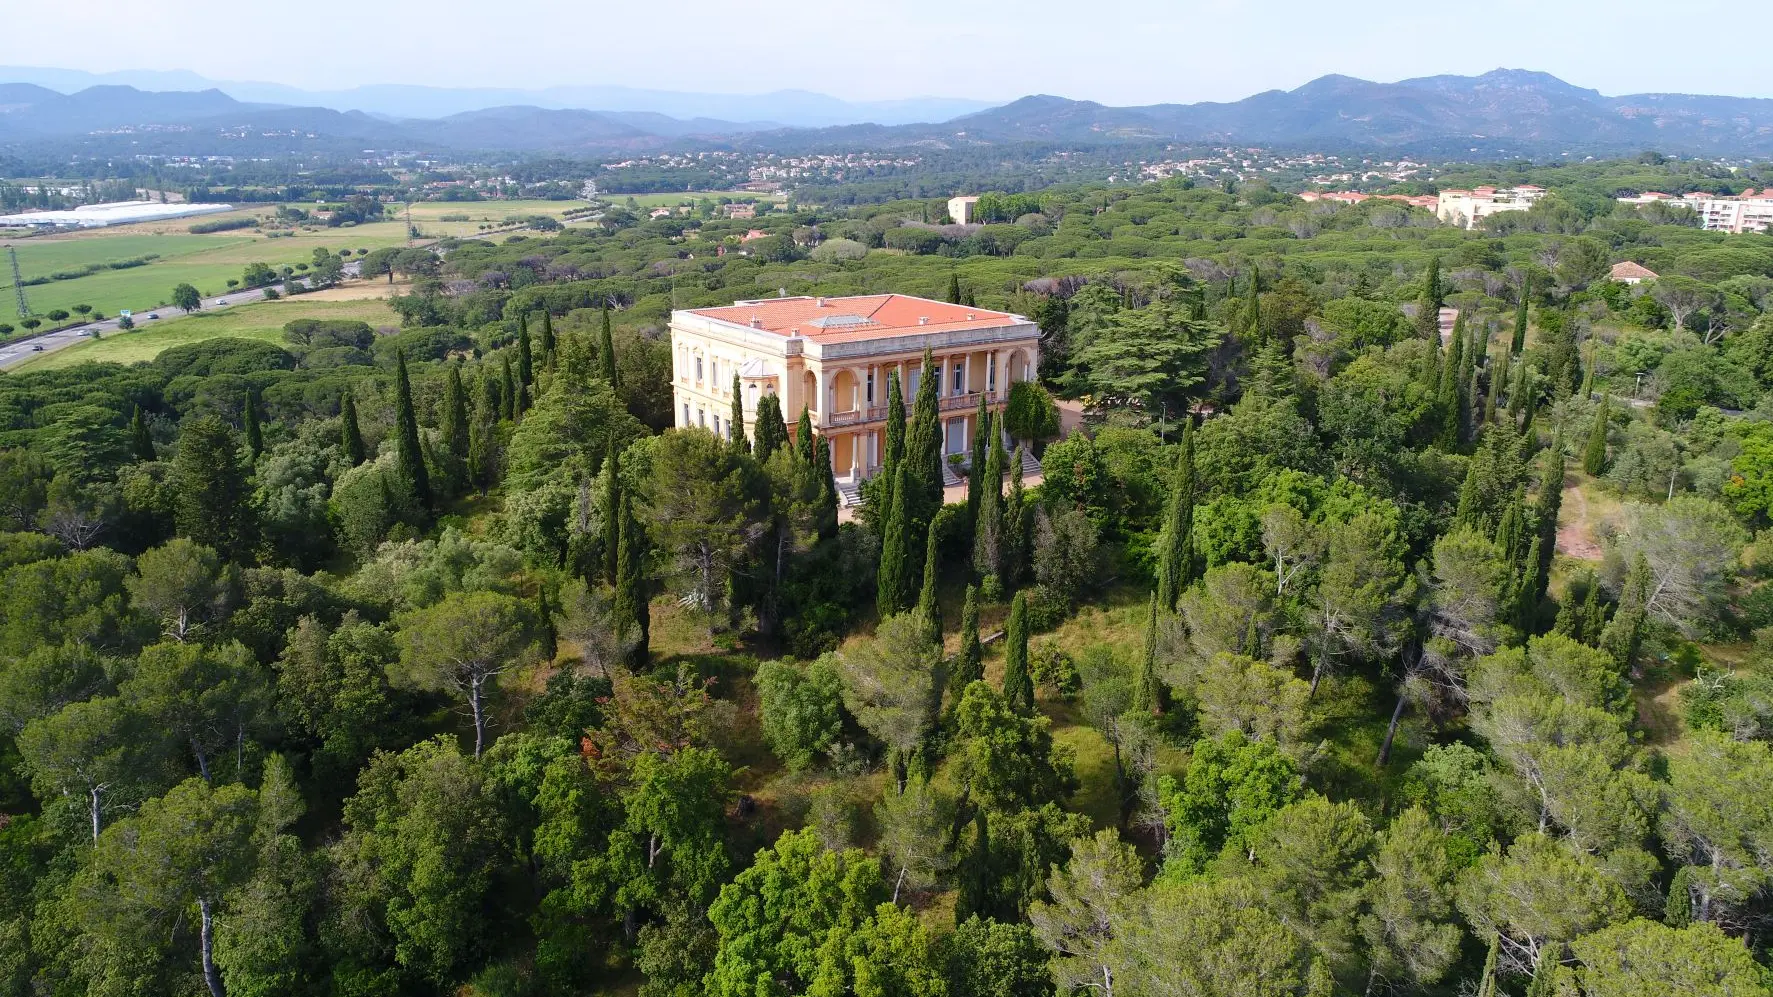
1338, 653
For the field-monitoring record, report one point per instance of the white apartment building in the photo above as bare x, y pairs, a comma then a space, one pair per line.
1749, 211
1469, 208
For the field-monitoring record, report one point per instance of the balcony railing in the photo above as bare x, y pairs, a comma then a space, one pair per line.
953, 402
854, 416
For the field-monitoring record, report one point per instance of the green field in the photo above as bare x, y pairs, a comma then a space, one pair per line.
208, 261
262, 320
204, 261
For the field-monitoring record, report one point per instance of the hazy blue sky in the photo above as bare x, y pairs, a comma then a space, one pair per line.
1132, 51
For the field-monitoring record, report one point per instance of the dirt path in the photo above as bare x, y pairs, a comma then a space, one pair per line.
1575, 535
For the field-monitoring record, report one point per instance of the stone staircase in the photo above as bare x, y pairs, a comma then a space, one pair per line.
849, 493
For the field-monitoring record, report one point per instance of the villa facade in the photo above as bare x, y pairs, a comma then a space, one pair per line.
832, 356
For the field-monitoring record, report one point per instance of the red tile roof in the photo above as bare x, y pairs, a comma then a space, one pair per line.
868, 316
1627, 269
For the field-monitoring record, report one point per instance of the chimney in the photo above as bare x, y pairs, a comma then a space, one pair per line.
756, 323
818, 302
923, 320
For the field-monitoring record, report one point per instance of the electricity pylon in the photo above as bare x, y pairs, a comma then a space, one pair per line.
18, 284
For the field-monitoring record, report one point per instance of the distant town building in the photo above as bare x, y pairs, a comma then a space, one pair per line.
753, 235
112, 213
659, 213
1356, 197
960, 209
1627, 272
1469, 208
1748, 211
741, 210
832, 357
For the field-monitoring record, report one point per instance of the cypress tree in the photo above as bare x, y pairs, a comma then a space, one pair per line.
1428, 303
1520, 317
953, 287
1546, 509
737, 417
632, 614
455, 433
895, 427
1527, 589
483, 437
923, 447
1175, 544
1677, 910
606, 350
547, 344
1148, 695
827, 488
970, 667
770, 432
1594, 456
894, 582
612, 512
350, 436
546, 636
1252, 311
213, 500
249, 427
1624, 634
1545, 972
1498, 372
508, 391
1018, 526
803, 435
141, 443
410, 457
976, 466
929, 608
988, 525
1018, 684
1451, 375
1594, 616
526, 370
1487, 979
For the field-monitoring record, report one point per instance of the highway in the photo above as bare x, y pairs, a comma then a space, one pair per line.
15, 353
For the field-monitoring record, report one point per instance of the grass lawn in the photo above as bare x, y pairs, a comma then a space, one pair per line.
428, 215
262, 320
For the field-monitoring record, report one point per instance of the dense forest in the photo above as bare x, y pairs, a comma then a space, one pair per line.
1350, 646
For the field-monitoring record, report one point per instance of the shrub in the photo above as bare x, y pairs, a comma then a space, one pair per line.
801, 709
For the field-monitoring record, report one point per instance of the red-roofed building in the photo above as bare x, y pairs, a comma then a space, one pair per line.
1627, 272
834, 355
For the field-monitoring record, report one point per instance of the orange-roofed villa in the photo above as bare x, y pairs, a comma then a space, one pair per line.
833, 356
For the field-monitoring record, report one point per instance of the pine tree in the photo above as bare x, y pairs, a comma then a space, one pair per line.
350, 436
1594, 456
895, 427
547, 638
893, 583
606, 350
249, 427
1148, 693
988, 524
629, 607
612, 512
508, 391
1018, 684
410, 455
1175, 543
736, 420
526, 370
547, 344
141, 443
1487, 979
929, 607
1520, 317
970, 666
454, 431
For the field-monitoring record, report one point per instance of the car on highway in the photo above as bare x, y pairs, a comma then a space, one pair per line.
153, 314
38, 348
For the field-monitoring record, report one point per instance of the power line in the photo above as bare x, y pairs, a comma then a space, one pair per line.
18, 284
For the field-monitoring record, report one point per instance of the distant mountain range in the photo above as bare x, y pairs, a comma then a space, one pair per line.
786, 108
1503, 111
